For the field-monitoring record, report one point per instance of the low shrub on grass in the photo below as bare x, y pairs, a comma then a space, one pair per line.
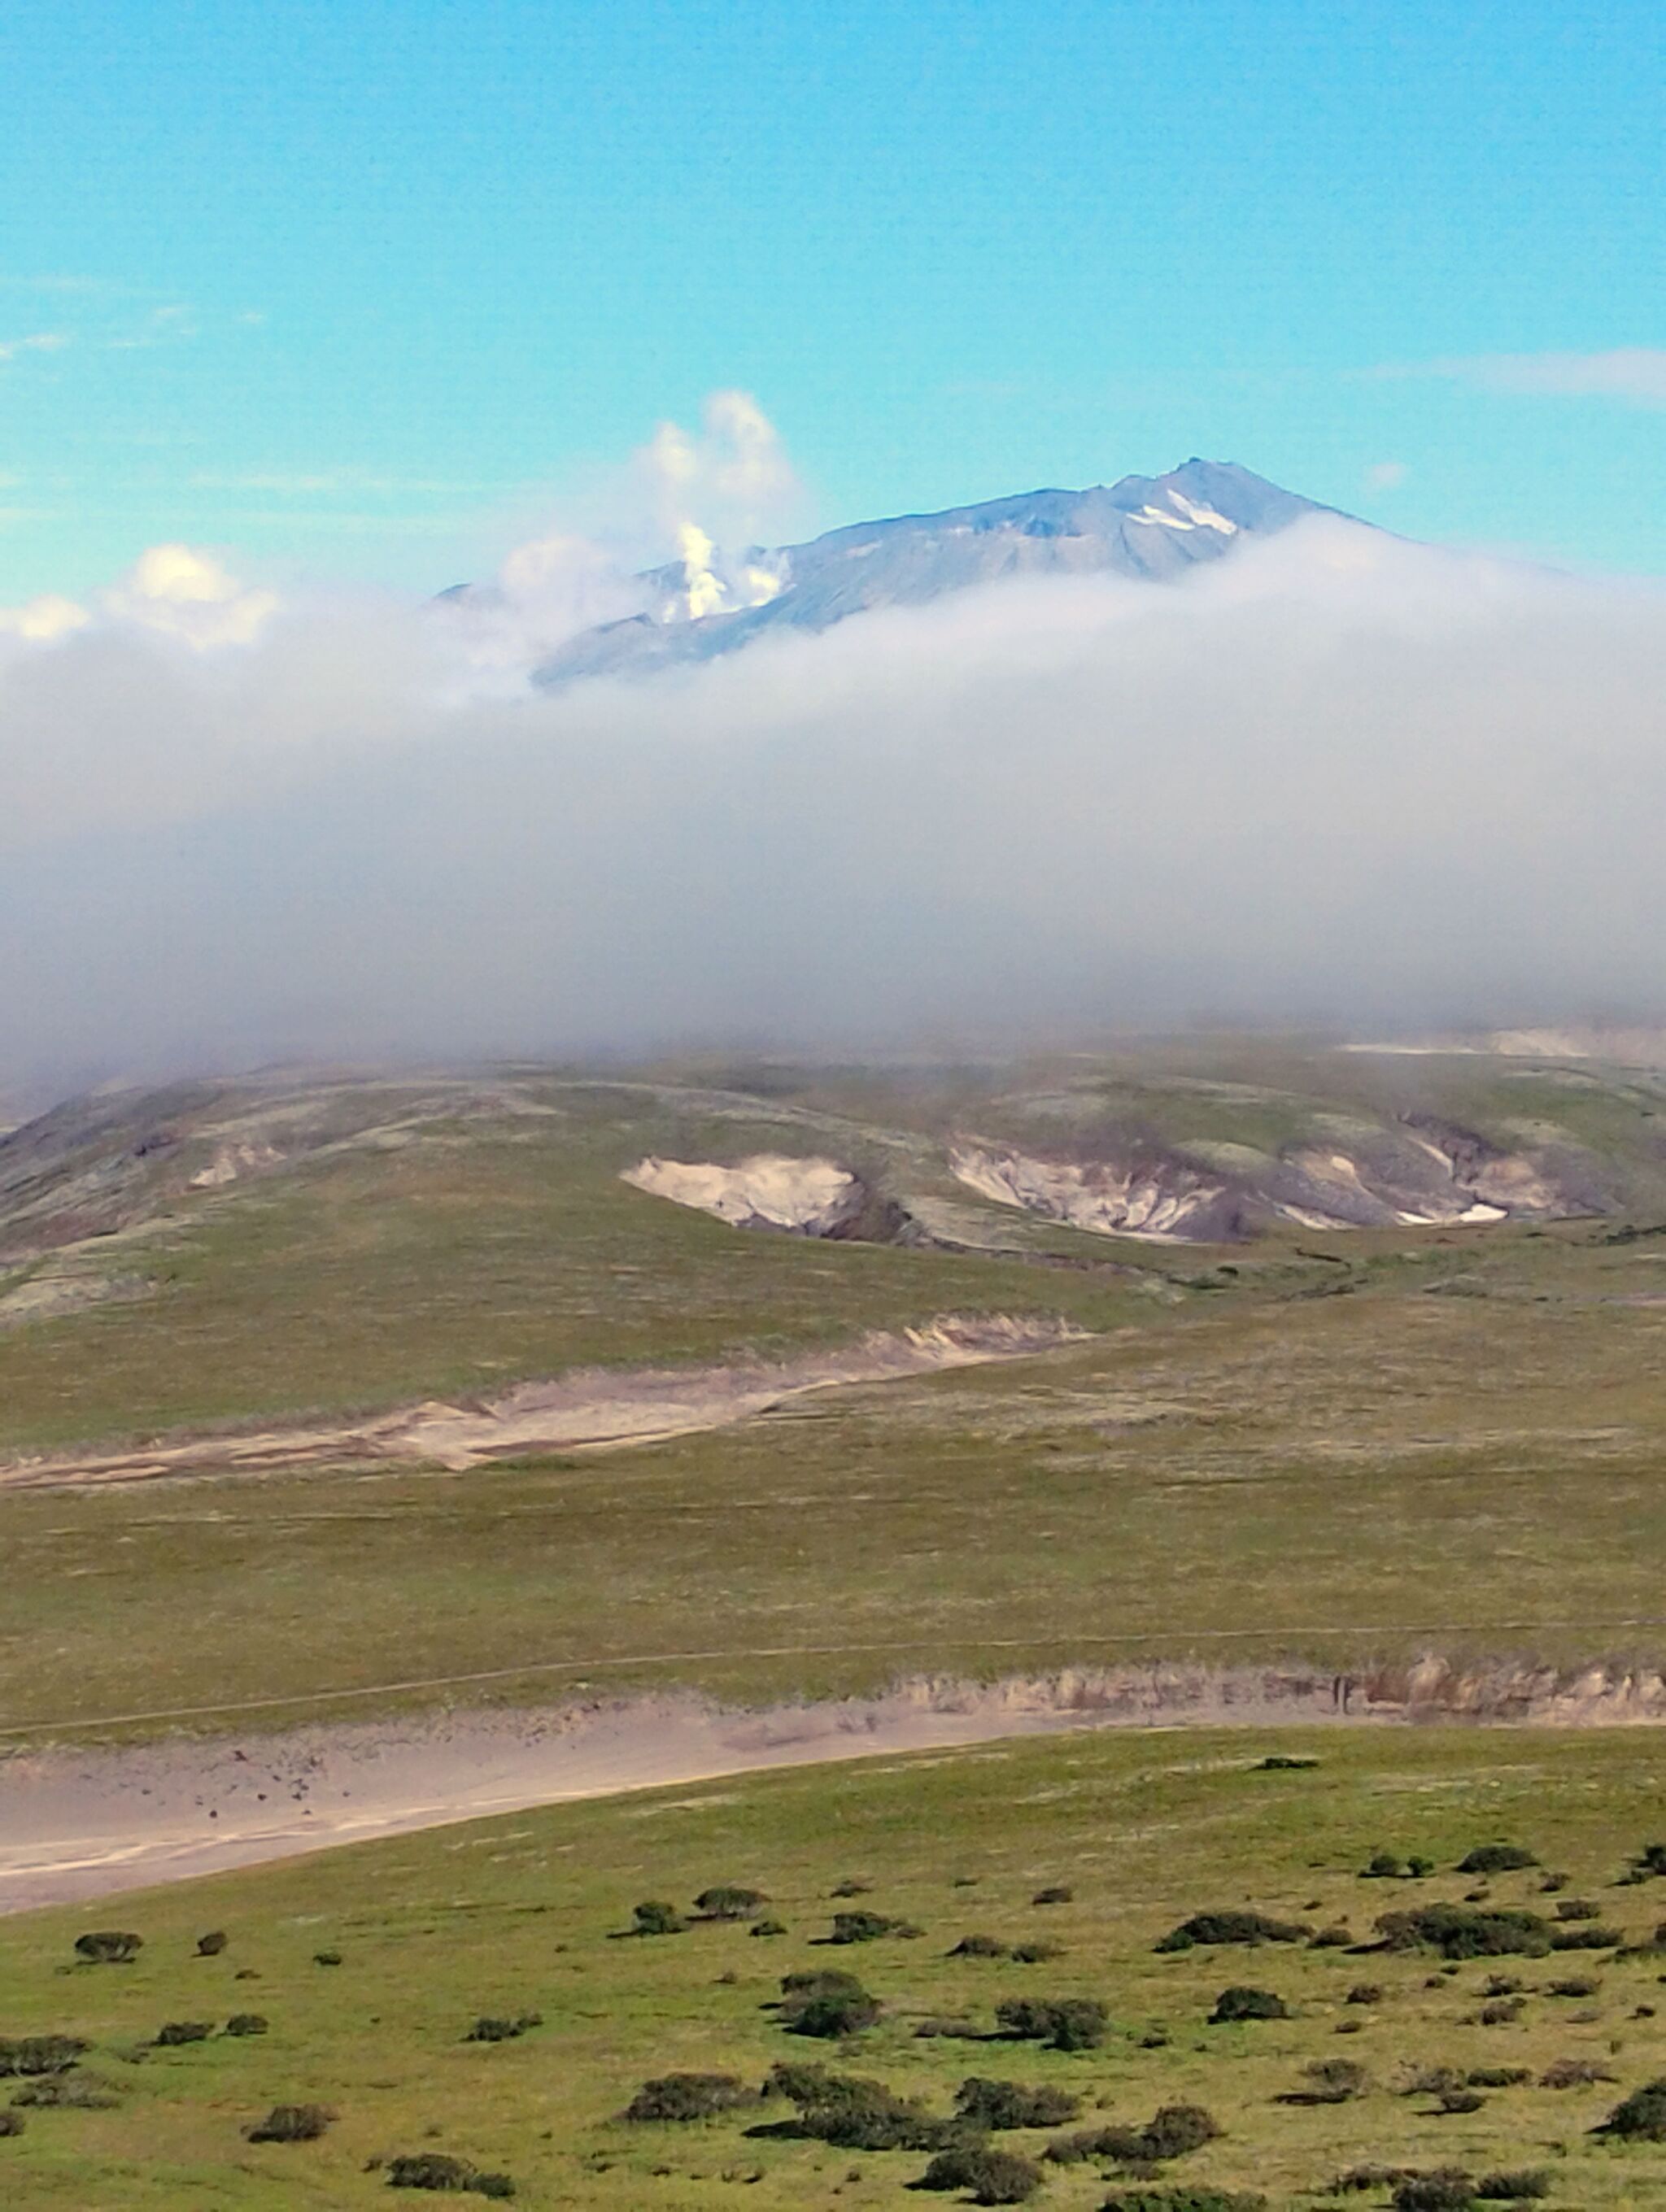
850, 1888
1457, 2101
1232, 1926
867, 1926
826, 2004
292, 2123
1576, 1985
1458, 1932
11, 2124
1169, 2199
995, 2104
937, 2024
173, 2032
1496, 1858
688, 2097
768, 1927
1498, 2077
211, 1945
326, 1957
433, 2169
1640, 2117
1331, 2082
1522, 2188
108, 1946
1573, 2074
28, 2055
1242, 2002
1648, 1864
1501, 2012
1282, 1762
1577, 1908
981, 1947
1036, 1954
77, 2092
490, 2028
853, 2114
655, 1918
1445, 2189
989, 2177
729, 1901
1061, 2023
1593, 1936
1366, 1993
247, 2023
1056, 1893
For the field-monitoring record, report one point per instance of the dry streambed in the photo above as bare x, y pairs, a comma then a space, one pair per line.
588, 1408
81, 1824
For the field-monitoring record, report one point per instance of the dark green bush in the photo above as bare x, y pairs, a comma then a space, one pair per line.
108, 1946
174, 2032
1383, 1866
981, 1947
489, 2028
767, 1928
326, 1957
1496, 1858
1593, 1936
655, 1918
1650, 1862
1036, 1954
1231, 1926
1577, 1908
688, 2097
849, 1888
1174, 2130
990, 2176
1577, 1985
1331, 2082
826, 2004
1458, 1932
1240, 2002
247, 2023
1455, 2101
288, 2124
1056, 1893
1074, 2150
1366, 1993
1183, 2200
993, 2106
11, 2124
76, 2092
1521, 2187
1339, 1937
1498, 2077
29, 2054
1573, 2074
729, 1901
1447, 2189
1061, 2023
1640, 2117
211, 1945
1278, 1762
431, 2169
853, 2114
867, 1926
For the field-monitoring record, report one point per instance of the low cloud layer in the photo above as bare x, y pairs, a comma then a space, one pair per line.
1332, 776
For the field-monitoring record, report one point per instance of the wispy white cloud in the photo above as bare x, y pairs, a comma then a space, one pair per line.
34, 341
1634, 376
333, 483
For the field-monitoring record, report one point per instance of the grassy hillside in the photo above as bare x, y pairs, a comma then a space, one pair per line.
521, 1915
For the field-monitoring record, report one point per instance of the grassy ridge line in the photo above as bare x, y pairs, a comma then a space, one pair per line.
517, 1913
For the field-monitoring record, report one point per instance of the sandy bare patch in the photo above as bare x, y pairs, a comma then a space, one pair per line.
589, 1407
81, 1824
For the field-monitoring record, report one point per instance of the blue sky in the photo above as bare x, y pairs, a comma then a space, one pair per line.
372, 288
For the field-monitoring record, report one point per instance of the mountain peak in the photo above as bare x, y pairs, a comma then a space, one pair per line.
1150, 527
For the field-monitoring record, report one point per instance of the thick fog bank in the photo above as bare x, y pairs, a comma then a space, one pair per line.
1334, 777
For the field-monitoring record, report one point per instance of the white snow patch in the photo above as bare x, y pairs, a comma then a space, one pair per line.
770, 1190
1093, 1195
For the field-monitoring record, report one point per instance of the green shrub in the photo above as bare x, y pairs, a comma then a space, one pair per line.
991, 2177
1280, 1762
247, 2023
1650, 1862
1174, 2130
28, 2055
1577, 1985
1183, 2200
1498, 2077
1456, 2101
656, 1917
728, 1901
290, 2123
489, 2028
1447, 2189
108, 1946
1339, 1937
853, 2114
1381, 1866
76, 2092
11, 2124
826, 2004
1074, 2150
1496, 1858
1593, 1936
1240, 2002
1056, 1893
1573, 2074
767, 1928
326, 1957
849, 1888
1331, 2082
1036, 1954
173, 2032
431, 2169
1521, 2187
867, 1926
1061, 2023
981, 1947
1640, 2117
1231, 1926
688, 2097
993, 2106
1577, 1908
1366, 1993
1458, 1932
211, 1945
